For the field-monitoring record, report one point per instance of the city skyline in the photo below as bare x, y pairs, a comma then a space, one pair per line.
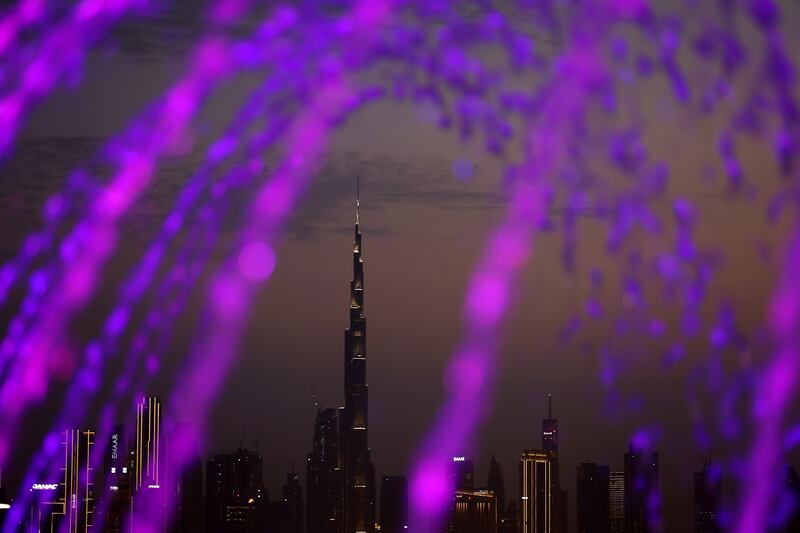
580, 223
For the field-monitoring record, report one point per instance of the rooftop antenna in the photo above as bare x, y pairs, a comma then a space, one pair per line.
316, 399
358, 194
550, 406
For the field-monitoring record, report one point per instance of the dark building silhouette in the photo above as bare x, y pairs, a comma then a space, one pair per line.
510, 521
5, 501
496, 484
189, 499
463, 473
359, 472
616, 501
791, 501
462, 478
324, 476
550, 446
592, 498
118, 466
66, 501
394, 504
355, 483
235, 495
642, 509
707, 499
475, 512
286, 514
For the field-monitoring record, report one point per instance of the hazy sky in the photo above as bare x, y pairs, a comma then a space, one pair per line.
423, 230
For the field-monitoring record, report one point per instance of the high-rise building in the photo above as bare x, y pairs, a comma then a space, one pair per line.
148, 443
642, 512
462, 473
66, 502
236, 501
616, 501
510, 522
475, 512
394, 504
550, 429
119, 482
324, 476
496, 484
5, 502
286, 514
462, 478
355, 481
536, 492
792, 497
592, 498
359, 472
707, 496
550, 446
189, 499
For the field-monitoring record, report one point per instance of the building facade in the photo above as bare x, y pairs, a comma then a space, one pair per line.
67, 501
616, 501
286, 514
475, 512
394, 504
347, 497
357, 467
592, 498
324, 476
642, 511
536, 492
236, 501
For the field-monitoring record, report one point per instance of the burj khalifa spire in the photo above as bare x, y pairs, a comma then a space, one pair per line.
359, 472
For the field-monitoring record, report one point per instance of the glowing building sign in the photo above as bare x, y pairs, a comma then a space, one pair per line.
44, 486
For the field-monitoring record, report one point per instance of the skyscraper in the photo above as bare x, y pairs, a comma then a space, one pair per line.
286, 514
791, 495
235, 495
550, 429
66, 502
341, 476
324, 477
462, 473
550, 446
592, 498
707, 496
496, 484
148, 443
5, 502
189, 499
79, 494
536, 488
616, 501
394, 504
642, 512
359, 472
119, 481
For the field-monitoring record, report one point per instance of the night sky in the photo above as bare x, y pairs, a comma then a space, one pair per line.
423, 230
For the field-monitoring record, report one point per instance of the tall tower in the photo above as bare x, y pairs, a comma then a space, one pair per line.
359, 473
148, 443
641, 490
323, 476
536, 492
550, 446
